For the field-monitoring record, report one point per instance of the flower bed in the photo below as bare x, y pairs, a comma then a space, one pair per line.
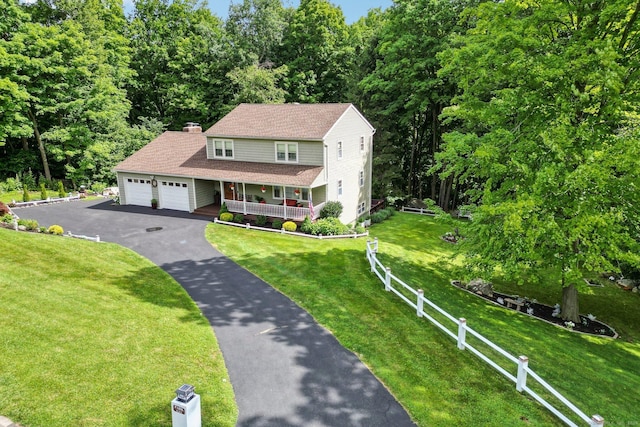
587, 325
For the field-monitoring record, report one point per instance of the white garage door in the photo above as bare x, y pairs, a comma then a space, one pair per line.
173, 195
138, 191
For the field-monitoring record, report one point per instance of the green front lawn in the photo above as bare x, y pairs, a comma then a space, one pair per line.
438, 384
95, 335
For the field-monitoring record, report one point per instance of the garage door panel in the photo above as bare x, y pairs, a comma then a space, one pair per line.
138, 191
173, 195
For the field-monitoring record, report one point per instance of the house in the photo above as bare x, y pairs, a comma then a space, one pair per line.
283, 161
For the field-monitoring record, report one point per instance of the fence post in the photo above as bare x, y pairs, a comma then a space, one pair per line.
420, 302
375, 244
97, 238
521, 380
596, 421
462, 332
387, 279
248, 226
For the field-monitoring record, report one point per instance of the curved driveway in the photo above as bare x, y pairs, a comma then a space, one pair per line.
286, 370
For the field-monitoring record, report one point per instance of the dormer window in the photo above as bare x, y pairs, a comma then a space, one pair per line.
287, 152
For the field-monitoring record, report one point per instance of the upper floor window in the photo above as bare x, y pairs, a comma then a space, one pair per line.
361, 176
362, 143
287, 152
223, 149
340, 188
339, 150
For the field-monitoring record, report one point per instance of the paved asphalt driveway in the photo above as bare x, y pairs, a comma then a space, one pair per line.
286, 370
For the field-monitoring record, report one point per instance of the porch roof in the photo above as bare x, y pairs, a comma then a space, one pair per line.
184, 154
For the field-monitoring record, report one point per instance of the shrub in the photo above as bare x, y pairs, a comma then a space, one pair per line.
226, 216
223, 209
43, 229
4, 209
55, 229
25, 194
261, 220
331, 209
277, 224
61, 192
238, 218
377, 217
28, 180
7, 218
306, 226
359, 229
98, 187
43, 192
30, 224
11, 184
290, 226
391, 210
330, 227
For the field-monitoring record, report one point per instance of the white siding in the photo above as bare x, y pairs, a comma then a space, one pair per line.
348, 130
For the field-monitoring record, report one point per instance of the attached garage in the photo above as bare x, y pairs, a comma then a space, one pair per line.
138, 191
173, 195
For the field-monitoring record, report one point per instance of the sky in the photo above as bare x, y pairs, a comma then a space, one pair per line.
352, 9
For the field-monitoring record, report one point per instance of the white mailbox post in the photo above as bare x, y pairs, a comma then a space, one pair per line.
185, 408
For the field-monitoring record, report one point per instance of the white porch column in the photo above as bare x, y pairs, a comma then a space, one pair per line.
221, 192
284, 201
244, 199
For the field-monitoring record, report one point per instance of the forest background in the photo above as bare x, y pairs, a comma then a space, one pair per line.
522, 113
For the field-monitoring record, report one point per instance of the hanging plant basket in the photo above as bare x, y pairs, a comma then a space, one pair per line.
296, 192
263, 189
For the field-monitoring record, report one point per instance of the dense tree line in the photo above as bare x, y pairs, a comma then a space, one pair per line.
525, 111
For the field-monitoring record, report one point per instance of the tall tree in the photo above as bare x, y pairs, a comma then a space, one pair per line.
181, 59
548, 90
407, 95
256, 28
317, 52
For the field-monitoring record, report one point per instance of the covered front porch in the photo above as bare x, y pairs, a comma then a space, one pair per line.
275, 201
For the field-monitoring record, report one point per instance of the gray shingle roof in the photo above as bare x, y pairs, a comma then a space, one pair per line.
279, 121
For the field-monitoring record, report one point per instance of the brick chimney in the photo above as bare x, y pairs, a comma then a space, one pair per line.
192, 127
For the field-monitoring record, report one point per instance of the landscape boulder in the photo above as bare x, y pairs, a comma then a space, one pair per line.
481, 287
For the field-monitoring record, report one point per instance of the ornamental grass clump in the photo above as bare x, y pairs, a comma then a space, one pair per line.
29, 224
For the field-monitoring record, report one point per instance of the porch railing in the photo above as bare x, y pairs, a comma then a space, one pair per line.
278, 211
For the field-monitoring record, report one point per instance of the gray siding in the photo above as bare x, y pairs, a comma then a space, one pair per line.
204, 192
264, 151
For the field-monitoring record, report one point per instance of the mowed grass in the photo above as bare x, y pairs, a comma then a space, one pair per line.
95, 335
438, 384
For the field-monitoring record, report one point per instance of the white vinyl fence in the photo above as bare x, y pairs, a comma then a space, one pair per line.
522, 362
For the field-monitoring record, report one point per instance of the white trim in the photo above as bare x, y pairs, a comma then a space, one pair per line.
224, 149
286, 151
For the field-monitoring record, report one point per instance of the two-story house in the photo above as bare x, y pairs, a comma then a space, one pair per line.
282, 161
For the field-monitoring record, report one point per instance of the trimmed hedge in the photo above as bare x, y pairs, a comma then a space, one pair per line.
290, 226
55, 229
